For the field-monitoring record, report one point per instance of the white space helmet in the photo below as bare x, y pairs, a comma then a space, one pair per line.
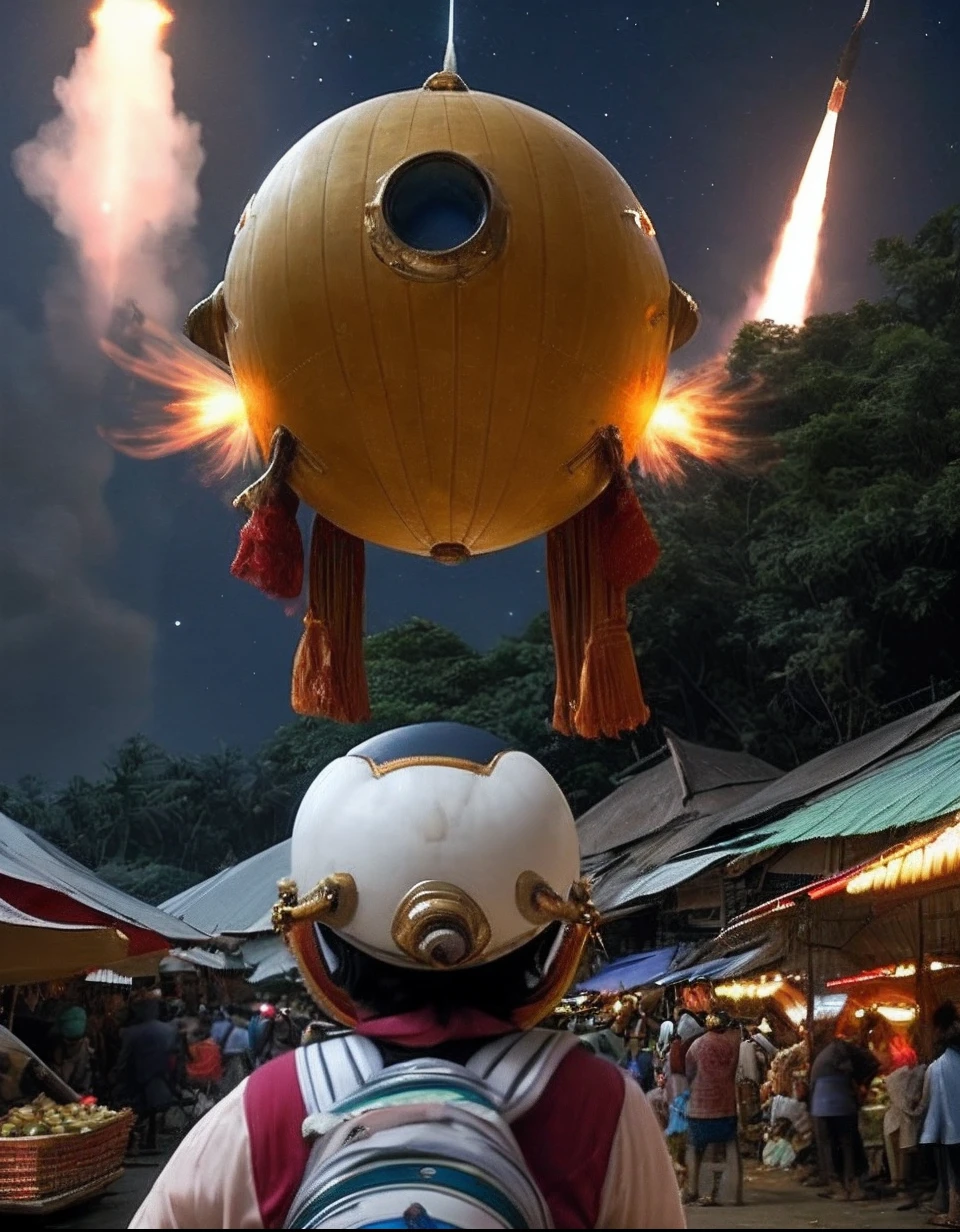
435, 847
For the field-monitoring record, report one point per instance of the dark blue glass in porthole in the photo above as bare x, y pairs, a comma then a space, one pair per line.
436, 203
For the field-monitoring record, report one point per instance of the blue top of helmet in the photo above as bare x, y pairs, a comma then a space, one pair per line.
456, 741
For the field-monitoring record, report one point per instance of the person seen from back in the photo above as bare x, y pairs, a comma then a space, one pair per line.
436, 910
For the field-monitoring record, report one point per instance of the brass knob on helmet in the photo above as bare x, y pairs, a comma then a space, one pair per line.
440, 926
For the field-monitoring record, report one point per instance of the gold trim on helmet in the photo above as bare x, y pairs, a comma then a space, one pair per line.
380, 768
440, 925
334, 901
540, 904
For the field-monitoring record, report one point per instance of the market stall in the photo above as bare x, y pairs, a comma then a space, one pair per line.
56, 1148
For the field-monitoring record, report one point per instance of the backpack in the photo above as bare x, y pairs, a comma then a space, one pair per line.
423, 1144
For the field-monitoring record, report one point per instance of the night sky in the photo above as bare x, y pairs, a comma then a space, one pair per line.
125, 618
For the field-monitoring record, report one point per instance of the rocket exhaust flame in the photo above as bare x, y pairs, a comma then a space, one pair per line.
697, 417
208, 411
789, 287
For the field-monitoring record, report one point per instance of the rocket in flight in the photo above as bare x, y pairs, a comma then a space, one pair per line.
847, 63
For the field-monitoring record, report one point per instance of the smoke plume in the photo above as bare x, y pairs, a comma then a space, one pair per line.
117, 171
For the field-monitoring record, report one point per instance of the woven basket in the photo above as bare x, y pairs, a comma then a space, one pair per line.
32, 1168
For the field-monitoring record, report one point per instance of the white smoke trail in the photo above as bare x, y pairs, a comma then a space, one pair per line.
117, 169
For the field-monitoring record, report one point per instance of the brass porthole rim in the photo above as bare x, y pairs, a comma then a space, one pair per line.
444, 265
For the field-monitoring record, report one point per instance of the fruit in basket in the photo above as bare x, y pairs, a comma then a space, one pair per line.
44, 1118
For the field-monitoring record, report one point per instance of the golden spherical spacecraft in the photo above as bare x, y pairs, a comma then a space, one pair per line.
449, 320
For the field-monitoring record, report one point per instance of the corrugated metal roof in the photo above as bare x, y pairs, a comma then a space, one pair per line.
623, 887
919, 787
212, 960
691, 782
110, 977
275, 962
832, 770
26, 857
237, 900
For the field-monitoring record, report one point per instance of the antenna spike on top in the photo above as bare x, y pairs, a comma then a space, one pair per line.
450, 58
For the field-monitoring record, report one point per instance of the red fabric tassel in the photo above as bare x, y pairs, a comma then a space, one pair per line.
270, 554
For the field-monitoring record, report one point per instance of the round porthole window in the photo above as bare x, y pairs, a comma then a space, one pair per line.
436, 203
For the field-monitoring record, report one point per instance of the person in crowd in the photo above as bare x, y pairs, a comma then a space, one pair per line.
260, 1034
638, 1061
286, 1034
667, 1031
611, 1041
236, 1051
838, 1076
204, 1066
902, 1120
71, 1055
941, 1105
657, 1099
221, 1026
424, 971
146, 1068
688, 1029
711, 1067
752, 1064
30, 1025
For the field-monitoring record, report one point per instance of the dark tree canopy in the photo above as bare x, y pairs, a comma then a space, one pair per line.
793, 608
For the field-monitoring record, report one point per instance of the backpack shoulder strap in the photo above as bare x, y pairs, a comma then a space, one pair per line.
334, 1069
519, 1067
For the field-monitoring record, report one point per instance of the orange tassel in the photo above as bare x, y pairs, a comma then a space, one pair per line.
329, 677
630, 548
598, 689
628, 545
611, 698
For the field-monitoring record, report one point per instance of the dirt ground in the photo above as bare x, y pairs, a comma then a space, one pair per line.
774, 1199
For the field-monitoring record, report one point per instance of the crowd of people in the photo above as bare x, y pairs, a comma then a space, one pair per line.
722, 1090
147, 1052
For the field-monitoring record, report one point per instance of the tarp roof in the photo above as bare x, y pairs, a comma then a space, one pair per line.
719, 968
237, 900
38, 878
634, 971
33, 950
691, 782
